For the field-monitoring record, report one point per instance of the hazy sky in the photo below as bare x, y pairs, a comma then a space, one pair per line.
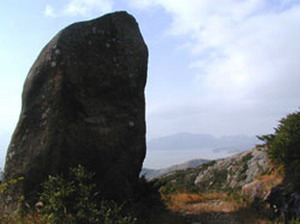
218, 67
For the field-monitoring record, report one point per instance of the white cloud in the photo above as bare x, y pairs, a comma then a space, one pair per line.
142, 4
86, 7
49, 11
247, 54
83, 8
243, 40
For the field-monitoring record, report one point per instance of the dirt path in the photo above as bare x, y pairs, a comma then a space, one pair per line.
212, 209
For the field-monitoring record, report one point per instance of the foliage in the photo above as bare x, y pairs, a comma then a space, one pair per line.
284, 147
220, 177
179, 182
71, 200
295, 221
182, 181
74, 200
112, 213
4, 187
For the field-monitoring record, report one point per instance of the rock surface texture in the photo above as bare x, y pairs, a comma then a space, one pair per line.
83, 103
236, 171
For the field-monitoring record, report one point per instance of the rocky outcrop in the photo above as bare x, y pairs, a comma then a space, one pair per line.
284, 204
223, 175
235, 171
83, 103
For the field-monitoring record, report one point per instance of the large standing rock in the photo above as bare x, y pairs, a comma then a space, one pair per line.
83, 103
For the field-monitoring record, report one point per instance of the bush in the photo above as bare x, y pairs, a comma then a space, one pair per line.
74, 200
284, 147
6, 191
111, 213
71, 200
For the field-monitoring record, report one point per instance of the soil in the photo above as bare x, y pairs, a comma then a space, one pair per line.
215, 211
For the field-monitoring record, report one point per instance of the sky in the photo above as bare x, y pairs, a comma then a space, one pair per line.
220, 67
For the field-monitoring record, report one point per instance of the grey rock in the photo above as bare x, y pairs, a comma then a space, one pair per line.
83, 103
283, 203
254, 190
240, 169
293, 207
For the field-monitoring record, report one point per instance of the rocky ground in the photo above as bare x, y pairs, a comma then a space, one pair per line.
208, 209
223, 191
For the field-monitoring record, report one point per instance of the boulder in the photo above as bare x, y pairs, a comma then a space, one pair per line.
253, 190
293, 207
83, 103
283, 203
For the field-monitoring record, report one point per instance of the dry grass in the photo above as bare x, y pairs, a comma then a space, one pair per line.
271, 180
260, 187
32, 218
7, 218
213, 208
194, 198
196, 203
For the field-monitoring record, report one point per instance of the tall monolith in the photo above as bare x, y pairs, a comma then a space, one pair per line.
83, 103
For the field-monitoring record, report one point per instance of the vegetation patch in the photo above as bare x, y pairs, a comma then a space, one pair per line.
283, 148
243, 164
182, 181
69, 200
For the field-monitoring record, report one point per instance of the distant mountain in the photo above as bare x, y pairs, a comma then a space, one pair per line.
152, 173
188, 141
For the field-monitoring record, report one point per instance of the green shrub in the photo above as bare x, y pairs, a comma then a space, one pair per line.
5, 186
6, 190
284, 147
74, 200
112, 213
71, 200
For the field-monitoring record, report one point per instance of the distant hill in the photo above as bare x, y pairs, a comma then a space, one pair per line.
152, 173
188, 141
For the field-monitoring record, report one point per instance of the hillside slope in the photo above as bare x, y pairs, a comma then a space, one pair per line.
156, 173
229, 190
226, 174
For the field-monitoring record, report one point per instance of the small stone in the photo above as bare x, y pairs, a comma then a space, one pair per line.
10, 155
39, 205
44, 115
57, 51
